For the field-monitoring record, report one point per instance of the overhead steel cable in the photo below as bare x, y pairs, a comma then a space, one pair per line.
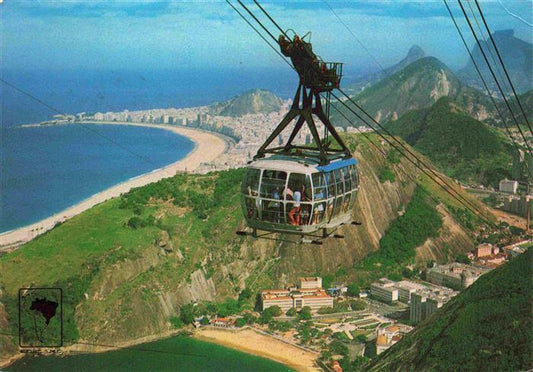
485, 42
505, 80
257, 20
382, 151
272, 20
409, 151
503, 65
359, 41
84, 126
450, 189
494, 75
81, 124
354, 36
259, 33
489, 93
426, 169
475, 64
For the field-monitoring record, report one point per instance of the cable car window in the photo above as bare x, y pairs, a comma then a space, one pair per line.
329, 209
305, 213
337, 207
352, 201
251, 207
346, 203
319, 186
319, 211
272, 184
339, 185
353, 176
330, 181
347, 179
250, 185
297, 191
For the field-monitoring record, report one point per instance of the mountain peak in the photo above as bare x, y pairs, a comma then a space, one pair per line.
518, 57
253, 101
415, 52
503, 33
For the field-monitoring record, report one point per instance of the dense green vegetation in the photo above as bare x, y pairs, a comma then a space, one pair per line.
397, 247
193, 212
487, 327
463, 147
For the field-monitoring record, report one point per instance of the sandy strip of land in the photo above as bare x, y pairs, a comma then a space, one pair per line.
252, 342
207, 148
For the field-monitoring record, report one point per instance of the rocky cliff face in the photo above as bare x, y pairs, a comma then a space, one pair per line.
132, 294
257, 101
139, 301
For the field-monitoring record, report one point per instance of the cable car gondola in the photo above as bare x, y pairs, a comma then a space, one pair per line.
302, 189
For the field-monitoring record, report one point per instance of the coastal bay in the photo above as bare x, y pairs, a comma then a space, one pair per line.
207, 147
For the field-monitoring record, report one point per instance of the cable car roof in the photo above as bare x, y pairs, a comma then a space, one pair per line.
299, 164
337, 164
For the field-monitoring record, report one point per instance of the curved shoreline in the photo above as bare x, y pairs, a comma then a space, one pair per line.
208, 147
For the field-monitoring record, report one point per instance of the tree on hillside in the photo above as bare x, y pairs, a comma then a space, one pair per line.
291, 312
187, 314
353, 289
305, 313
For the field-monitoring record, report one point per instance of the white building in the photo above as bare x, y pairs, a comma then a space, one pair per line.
311, 282
309, 294
384, 290
406, 289
508, 186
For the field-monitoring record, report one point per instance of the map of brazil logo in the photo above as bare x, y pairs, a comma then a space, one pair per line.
40, 317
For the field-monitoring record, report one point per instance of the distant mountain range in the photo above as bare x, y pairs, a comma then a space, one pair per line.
487, 327
463, 147
419, 85
517, 55
414, 54
256, 101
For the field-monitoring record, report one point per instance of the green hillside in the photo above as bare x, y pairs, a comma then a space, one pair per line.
526, 100
256, 101
129, 267
488, 327
463, 147
419, 85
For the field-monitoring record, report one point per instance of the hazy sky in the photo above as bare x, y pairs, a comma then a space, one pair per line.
209, 34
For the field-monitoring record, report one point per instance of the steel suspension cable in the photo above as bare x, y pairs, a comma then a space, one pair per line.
472, 207
494, 76
271, 19
257, 20
503, 65
259, 33
489, 93
410, 152
382, 151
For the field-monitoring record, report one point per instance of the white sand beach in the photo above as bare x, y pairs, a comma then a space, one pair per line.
252, 342
207, 148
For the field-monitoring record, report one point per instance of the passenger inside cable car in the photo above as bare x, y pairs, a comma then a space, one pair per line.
295, 199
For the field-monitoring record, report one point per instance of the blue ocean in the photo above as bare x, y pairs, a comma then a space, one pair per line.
45, 170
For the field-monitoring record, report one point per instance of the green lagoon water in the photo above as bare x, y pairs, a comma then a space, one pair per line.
178, 353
